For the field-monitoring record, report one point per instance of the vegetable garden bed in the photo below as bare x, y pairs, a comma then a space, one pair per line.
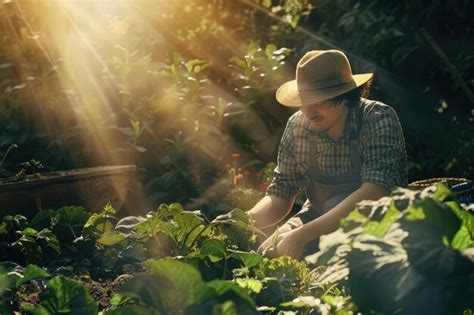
412, 252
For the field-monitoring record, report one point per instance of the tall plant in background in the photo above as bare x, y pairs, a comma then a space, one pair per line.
176, 89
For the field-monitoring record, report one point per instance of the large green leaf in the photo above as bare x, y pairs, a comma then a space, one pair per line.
148, 288
239, 219
385, 284
64, 296
442, 193
31, 272
182, 285
182, 226
385, 288
111, 238
93, 219
71, 220
248, 259
228, 291
379, 229
402, 254
333, 246
127, 224
213, 249
189, 227
43, 219
439, 219
7, 280
431, 257
464, 238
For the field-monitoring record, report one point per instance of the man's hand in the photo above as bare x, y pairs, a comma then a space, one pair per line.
290, 243
268, 247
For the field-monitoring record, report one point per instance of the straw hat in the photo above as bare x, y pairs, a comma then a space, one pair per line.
320, 75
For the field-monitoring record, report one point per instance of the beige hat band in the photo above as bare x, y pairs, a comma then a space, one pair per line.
324, 84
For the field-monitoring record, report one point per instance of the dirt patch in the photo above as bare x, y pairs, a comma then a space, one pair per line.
100, 289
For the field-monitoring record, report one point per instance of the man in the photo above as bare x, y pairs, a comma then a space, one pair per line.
339, 147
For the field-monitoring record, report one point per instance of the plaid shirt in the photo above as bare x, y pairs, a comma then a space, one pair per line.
381, 143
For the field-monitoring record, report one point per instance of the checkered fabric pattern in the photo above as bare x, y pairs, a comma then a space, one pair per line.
381, 143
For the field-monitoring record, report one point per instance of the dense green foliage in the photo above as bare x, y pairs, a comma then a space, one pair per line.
178, 89
186, 92
410, 252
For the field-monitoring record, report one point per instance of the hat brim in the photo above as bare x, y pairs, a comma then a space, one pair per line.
289, 95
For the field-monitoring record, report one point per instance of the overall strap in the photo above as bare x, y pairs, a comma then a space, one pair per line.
359, 112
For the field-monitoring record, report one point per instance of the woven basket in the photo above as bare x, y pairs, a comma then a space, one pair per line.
448, 181
462, 187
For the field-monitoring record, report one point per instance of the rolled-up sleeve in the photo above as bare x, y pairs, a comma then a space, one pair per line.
383, 149
289, 176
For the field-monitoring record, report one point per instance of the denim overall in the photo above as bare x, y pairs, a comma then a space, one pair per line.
325, 191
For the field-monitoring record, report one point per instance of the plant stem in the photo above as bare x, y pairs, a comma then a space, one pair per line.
225, 269
12, 146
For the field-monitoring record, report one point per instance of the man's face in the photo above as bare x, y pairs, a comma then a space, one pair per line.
324, 116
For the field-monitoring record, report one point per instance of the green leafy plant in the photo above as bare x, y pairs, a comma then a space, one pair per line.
3, 171
49, 235
409, 245
11, 279
283, 279
63, 296
174, 287
36, 246
258, 69
290, 12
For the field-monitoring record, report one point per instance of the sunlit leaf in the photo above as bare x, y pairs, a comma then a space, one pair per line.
214, 249
249, 259
111, 238
253, 285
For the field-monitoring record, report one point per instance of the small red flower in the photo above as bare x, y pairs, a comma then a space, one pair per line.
240, 176
235, 155
227, 166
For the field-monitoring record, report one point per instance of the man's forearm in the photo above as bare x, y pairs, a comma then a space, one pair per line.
329, 222
270, 210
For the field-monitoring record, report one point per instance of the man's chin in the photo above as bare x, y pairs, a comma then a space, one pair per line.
318, 127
